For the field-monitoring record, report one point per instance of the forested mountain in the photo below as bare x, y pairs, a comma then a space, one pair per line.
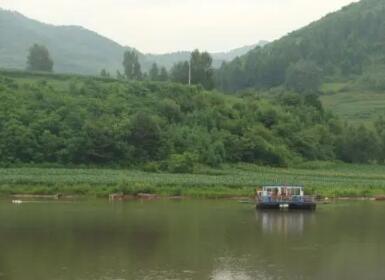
75, 49
346, 44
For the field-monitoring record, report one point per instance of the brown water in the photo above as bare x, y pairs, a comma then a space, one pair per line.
219, 240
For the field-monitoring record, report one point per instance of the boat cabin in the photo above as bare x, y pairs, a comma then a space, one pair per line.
277, 197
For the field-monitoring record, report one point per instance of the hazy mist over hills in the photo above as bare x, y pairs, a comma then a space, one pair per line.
169, 59
78, 50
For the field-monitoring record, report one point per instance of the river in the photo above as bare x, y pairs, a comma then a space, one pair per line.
197, 240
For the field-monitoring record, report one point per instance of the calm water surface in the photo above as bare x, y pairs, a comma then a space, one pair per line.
219, 240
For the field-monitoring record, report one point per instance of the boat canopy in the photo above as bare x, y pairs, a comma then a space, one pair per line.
271, 188
279, 190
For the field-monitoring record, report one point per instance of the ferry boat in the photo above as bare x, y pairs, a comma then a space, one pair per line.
281, 197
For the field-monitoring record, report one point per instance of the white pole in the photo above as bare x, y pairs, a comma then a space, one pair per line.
189, 73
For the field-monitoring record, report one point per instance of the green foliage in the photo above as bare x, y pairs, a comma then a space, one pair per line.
119, 75
326, 178
344, 44
163, 76
154, 73
145, 134
180, 72
257, 146
374, 81
181, 163
201, 69
131, 65
152, 166
39, 59
104, 74
303, 76
352, 104
360, 145
170, 109
75, 120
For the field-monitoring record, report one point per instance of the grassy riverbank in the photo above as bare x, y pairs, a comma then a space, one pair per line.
327, 179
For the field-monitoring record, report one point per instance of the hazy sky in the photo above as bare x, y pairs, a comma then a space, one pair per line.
168, 25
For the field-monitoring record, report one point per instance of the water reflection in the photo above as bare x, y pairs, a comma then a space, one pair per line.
239, 268
284, 222
230, 275
190, 240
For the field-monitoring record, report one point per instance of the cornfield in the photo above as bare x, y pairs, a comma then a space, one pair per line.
239, 180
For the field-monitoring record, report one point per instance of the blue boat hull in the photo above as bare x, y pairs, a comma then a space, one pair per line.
269, 206
291, 206
303, 206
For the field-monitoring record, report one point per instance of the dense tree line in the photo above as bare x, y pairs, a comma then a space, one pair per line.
165, 125
344, 44
197, 71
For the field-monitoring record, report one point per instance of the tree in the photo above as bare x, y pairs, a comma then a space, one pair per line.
163, 76
131, 65
380, 129
181, 163
119, 75
257, 146
145, 136
137, 71
105, 74
303, 76
360, 145
39, 59
154, 72
179, 72
201, 69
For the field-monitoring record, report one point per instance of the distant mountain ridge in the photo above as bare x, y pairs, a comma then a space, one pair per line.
169, 59
73, 48
77, 50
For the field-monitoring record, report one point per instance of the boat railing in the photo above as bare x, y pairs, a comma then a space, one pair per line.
286, 199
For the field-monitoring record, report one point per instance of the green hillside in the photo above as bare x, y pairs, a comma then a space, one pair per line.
355, 105
75, 49
66, 119
347, 44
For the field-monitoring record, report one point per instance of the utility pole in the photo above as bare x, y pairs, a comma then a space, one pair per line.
189, 73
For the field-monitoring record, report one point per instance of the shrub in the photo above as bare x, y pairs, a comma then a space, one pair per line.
152, 166
182, 163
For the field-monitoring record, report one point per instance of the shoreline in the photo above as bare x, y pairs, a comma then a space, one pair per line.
155, 197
